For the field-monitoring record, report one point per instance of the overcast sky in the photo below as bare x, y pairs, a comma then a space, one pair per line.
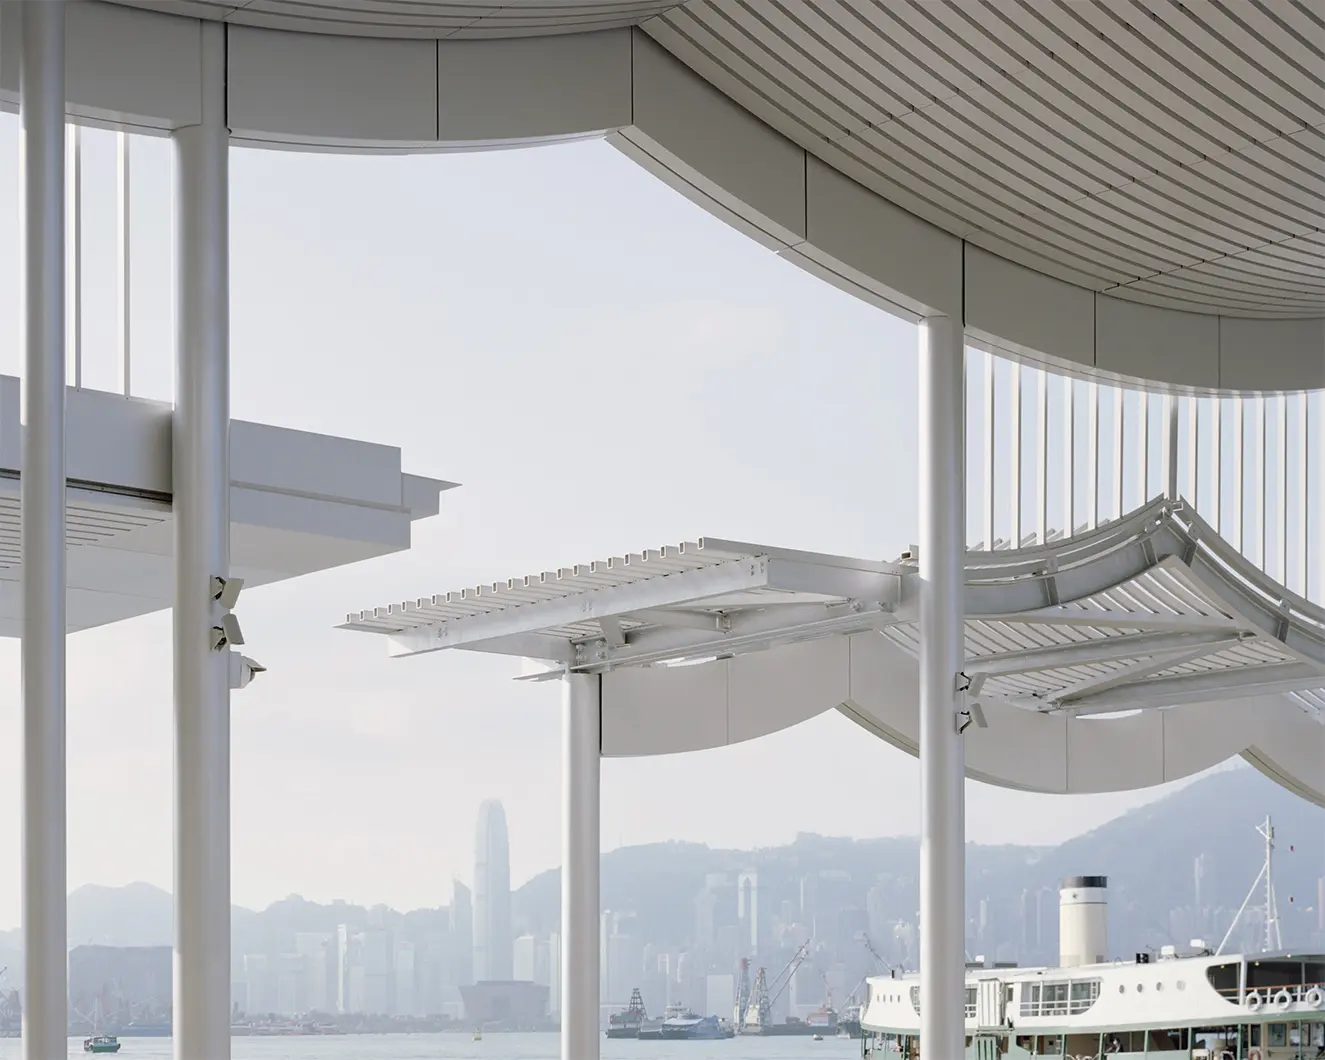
605, 368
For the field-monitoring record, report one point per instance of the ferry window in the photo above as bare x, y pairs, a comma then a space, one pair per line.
1054, 999
1277, 1034
1030, 999
1272, 975
970, 1002
1224, 979
1084, 994
1315, 972
915, 999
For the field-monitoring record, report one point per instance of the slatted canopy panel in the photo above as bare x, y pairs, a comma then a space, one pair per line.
1171, 153
1152, 611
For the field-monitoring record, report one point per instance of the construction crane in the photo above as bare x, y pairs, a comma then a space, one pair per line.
743, 995
883, 966
765, 994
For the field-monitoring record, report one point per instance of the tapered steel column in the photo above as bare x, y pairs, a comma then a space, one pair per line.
41, 92
581, 752
942, 766
201, 484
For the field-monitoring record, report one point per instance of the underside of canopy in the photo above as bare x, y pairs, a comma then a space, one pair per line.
1134, 655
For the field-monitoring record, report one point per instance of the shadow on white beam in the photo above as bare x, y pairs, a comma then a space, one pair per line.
299, 503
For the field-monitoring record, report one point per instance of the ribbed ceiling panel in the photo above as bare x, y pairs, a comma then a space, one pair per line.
1171, 151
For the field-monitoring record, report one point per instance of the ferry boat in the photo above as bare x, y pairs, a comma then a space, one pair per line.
1196, 1005
652, 1029
692, 1028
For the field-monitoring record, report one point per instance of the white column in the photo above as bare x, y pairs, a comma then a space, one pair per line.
581, 747
201, 483
942, 767
41, 93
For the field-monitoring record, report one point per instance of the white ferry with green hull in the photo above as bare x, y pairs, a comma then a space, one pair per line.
1194, 1005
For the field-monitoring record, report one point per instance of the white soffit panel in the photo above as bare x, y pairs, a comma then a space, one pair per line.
304, 88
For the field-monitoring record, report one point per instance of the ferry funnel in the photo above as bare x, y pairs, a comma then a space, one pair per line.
1083, 920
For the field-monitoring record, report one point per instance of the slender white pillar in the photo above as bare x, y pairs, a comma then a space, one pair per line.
581, 750
942, 766
201, 483
41, 92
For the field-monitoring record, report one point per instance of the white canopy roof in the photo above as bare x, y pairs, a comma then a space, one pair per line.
1154, 613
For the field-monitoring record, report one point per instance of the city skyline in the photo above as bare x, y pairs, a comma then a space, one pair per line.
678, 921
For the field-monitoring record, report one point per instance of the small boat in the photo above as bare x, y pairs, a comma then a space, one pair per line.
101, 1043
478, 1034
817, 1038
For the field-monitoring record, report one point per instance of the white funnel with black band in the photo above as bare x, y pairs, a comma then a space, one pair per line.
1083, 920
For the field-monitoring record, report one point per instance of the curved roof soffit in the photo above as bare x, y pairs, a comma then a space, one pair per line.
1148, 209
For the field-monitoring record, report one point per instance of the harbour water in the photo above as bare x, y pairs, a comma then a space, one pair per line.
492, 1047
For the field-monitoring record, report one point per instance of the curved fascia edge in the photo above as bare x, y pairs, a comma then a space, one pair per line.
138, 69
661, 710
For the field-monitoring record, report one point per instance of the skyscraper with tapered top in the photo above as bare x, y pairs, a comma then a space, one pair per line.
492, 895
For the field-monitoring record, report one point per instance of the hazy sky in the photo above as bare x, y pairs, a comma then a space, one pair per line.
605, 368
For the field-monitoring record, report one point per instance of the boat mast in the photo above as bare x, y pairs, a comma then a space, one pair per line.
1273, 939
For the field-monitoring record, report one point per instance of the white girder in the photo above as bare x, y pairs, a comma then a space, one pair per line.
709, 597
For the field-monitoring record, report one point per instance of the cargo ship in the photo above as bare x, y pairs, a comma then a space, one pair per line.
822, 1021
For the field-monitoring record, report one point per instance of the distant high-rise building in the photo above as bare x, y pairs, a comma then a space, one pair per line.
554, 974
748, 912
318, 950
492, 895
462, 934
524, 958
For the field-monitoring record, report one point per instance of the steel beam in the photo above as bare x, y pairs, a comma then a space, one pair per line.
41, 92
202, 552
580, 765
942, 765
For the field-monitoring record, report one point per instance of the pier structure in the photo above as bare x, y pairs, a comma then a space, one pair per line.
1109, 194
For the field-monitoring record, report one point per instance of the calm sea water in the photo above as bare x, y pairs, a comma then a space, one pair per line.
492, 1047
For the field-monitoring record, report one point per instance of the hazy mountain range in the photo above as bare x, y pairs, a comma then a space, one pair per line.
1149, 856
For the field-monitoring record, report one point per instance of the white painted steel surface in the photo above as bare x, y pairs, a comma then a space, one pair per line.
201, 502
1153, 614
299, 503
1261, 486
942, 765
43, 529
1139, 213
581, 723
